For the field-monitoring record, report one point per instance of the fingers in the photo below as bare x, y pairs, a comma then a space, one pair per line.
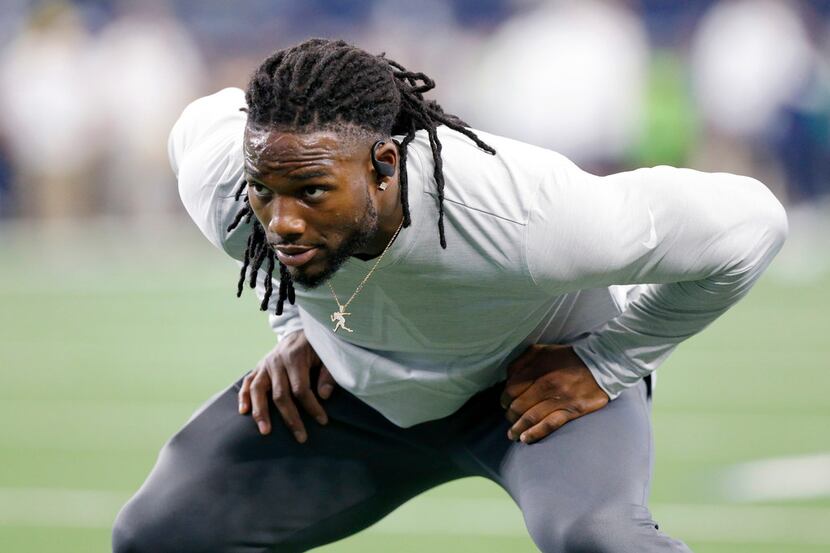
245, 394
521, 395
546, 406
259, 389
299, 380
542, 389
544, 427
282, 398
283, 377
325, 383
259, 393
534, 416
299, 359
514, 388
517, 379
548, 386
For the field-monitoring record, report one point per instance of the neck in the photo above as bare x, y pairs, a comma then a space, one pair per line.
390, 216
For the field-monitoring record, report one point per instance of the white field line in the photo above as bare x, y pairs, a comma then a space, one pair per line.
106, 407
783, 478
42, 507
47, 507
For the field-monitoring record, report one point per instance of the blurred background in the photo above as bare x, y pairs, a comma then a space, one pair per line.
117, 319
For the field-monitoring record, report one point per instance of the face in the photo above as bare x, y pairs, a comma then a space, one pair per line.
310, 192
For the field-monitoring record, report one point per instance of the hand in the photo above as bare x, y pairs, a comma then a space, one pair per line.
547, 386
283, 376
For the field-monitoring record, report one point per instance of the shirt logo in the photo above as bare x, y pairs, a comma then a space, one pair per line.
652, 238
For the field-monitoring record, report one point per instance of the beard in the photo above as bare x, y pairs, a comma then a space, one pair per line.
358, 237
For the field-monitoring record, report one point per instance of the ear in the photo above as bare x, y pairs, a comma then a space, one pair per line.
384, 158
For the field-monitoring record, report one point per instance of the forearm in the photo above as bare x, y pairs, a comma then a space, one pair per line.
636, 342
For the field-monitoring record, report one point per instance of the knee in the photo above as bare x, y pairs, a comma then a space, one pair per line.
609, 530
617, 530
128, 535
150, 524
135, 531
143, 526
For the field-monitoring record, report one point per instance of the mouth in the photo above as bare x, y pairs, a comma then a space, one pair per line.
294, 256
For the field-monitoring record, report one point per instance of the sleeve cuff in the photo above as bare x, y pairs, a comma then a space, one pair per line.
611, 368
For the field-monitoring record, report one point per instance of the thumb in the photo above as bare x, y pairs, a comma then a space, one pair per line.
325, 383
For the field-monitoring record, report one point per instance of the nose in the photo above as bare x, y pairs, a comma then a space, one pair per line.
285, 220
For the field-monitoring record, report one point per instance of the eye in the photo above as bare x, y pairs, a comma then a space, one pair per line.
258, 189
314, 192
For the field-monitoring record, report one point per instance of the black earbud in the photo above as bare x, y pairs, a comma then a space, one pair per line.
381, 167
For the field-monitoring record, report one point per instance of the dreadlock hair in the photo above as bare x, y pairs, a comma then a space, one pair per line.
331, 85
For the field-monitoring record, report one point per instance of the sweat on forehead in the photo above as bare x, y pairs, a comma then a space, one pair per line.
273, 150
346, 132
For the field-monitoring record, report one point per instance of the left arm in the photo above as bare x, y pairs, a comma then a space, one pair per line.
700, 239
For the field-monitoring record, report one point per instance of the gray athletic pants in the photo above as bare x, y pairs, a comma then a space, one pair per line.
219, 486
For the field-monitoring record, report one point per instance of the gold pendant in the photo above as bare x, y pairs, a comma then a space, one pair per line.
339, 317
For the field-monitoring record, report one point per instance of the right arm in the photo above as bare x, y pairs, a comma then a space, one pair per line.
205, 150
699, 240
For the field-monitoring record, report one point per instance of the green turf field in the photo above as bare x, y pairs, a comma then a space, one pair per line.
108, 342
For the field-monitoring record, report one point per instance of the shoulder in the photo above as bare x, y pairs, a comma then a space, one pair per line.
502, 184
216, 116
205, 149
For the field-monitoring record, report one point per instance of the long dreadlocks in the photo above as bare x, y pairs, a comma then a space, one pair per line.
326, 85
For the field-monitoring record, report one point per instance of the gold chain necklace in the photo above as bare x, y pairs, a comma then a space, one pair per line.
339, 316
